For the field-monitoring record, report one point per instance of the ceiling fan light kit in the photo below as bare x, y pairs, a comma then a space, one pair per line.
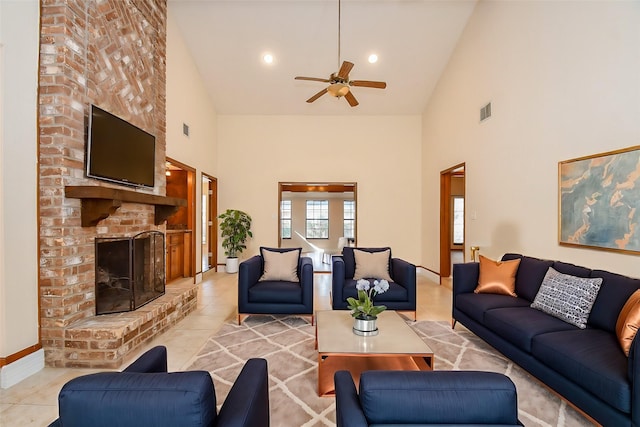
338, 89
339, 83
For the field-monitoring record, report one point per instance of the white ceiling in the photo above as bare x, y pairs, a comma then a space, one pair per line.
228, 38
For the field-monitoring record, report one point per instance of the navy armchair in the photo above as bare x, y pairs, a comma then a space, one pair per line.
274, 293
145, 395
421, 398
401, 295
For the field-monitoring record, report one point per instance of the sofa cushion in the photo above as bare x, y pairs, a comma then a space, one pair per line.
614, 292
475, 305
567, 297
519, 325
394, 293
280, 264
372, 265
350, 261
497, 277
276, 291
530, 274
628, 322
572, 269
590, 358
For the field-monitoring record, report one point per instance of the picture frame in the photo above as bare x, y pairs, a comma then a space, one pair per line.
599, 201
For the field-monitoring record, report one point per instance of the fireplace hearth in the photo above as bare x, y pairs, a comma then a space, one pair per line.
130, 272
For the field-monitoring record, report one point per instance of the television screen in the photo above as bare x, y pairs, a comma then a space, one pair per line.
118, 151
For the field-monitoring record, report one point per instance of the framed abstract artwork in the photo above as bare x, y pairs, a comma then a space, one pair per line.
599, 201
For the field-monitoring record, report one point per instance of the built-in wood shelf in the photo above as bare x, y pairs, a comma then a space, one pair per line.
100, 202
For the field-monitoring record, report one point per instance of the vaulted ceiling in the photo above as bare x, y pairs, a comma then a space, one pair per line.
227, 39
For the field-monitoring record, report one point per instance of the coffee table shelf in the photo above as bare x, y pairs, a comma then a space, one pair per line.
396, 347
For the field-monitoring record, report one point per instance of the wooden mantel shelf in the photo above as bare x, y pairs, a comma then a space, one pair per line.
100, 202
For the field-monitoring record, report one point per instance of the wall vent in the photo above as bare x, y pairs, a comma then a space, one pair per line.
485, 112
185, 129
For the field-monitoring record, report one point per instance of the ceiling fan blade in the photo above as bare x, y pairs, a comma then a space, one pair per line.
351, 99
313, 79
368, 83
317, 95
345, 69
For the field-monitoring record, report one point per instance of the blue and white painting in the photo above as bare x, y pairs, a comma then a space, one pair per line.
600, 201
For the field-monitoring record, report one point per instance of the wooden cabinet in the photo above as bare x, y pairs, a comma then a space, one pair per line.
178, 254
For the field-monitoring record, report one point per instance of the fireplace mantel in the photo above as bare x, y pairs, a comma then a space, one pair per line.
100, 202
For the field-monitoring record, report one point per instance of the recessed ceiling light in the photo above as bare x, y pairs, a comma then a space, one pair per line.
268, 58
373, 58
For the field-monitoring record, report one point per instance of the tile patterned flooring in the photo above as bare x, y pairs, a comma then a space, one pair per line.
33, 402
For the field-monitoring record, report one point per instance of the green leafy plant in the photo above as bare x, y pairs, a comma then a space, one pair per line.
235, 228
363, 307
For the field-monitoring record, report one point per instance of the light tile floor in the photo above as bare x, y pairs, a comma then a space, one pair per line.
33, 402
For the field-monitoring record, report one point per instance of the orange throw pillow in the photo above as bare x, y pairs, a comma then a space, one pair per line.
628, 322
497, 277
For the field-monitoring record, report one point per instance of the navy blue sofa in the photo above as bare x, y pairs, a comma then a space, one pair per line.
274, 297
145, 395
587, 367
401, 295
414, 398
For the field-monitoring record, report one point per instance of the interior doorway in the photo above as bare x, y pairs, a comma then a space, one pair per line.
315, 216
209, 223
180, 241
452, 217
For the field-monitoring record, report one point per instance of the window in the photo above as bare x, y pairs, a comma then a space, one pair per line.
349, 218
458, 220
317, 219
285, 219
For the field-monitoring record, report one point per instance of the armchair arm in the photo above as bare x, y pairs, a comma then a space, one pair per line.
154, 360
305, 274
247, 404
633, 370
337, 282
249, 273
403, 273
348, 410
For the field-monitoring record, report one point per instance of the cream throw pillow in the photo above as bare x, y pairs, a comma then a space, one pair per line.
280, 265
372, 265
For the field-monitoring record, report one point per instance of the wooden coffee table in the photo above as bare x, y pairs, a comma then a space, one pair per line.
396, 347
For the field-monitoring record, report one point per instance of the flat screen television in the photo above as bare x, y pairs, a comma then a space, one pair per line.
118, 151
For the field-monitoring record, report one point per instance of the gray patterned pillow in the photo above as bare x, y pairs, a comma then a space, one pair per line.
566, 297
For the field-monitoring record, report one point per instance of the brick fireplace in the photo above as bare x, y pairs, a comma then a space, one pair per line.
110, 53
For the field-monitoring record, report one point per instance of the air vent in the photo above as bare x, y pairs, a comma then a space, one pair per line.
485, 112
185, 129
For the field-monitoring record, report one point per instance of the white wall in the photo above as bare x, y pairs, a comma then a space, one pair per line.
564, 82
380, 153
188, 102
19, 41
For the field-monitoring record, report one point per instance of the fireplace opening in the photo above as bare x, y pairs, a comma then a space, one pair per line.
130, 272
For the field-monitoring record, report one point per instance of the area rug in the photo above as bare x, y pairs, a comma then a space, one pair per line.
287, 342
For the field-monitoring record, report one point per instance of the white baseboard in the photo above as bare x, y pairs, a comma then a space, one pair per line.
17, 371
198, 278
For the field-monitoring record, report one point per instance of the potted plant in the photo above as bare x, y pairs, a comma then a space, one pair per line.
362, 309
235, 228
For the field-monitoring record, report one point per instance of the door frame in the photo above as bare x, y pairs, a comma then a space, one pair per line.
445, 218
212, 232
190, 264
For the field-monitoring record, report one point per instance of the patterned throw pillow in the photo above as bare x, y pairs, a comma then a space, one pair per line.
566, 297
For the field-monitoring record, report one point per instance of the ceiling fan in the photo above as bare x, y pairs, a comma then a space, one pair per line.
339, 83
